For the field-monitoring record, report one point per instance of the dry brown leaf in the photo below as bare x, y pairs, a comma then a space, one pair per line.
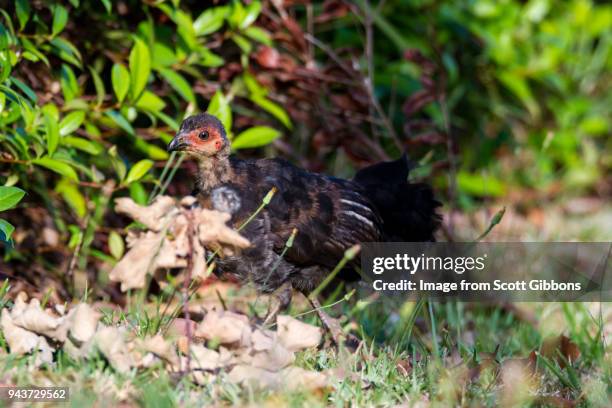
84, 323
21, 341
132, 269
203, 358
275, 358
255, 377
263, 339
225, 327
291, 378
151, 216
161, 348
297, 378
561, 344
31, 317
212, 228
296, 335
111, 343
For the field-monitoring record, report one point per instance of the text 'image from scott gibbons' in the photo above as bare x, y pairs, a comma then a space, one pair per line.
511, 271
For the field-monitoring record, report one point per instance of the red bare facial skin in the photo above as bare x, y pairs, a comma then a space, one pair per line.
206, 147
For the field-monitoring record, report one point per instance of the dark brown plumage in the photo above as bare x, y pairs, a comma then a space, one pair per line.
330, 214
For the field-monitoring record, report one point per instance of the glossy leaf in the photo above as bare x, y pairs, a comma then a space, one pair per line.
140, 68
99, 85
73, 197
10, 197
71, 122
138, 171
52, 133
255, 137
22, 9
82, 144
70, 86
219, 106
57, 166
274, 109
151, 102
210, 20
116, 245
60, 18
7, 229
179, 83
120, 121
120, 78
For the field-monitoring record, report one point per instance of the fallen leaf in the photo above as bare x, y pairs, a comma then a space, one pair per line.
161, 348
111, 343
132, 269
203, 358
212, 229
297, 378
31, 317
225, 327
22, 341
275, 358
296, 335
150, 216
84, 323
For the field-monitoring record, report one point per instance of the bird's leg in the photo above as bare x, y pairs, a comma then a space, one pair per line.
282, 296
331, 325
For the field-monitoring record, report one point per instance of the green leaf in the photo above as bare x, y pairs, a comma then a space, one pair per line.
9, 197
138, 193
210, 59
53, 134
179, 84
107, 5
60, 18
70, 86
252, 12
99, 85
219, 107
480, 185
162, 56
29, 92
73, 197
120, 78
259, 34
138, 170
71, 122
120, 121
255, 137
22, 8
57, 166
274, 109
7, 230
116, 245
82, 144
140, 68
151, 102
66, 51
210, 20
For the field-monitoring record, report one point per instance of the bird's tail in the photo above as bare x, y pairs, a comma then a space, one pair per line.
408, 210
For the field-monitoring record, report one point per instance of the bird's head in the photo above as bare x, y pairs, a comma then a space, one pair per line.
202, 136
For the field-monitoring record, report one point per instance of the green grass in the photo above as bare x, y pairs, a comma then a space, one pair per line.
398, 362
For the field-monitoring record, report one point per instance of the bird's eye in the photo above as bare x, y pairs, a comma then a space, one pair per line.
203, 135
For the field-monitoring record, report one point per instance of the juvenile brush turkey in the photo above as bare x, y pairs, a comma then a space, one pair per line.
329, 214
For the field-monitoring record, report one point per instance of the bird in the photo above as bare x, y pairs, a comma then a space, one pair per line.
322, 215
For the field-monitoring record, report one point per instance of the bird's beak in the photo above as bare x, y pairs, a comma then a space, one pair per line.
179, 143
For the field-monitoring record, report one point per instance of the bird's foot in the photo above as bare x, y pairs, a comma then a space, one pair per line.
279, 303
332, 326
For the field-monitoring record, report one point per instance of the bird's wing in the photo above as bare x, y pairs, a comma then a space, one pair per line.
330, 216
